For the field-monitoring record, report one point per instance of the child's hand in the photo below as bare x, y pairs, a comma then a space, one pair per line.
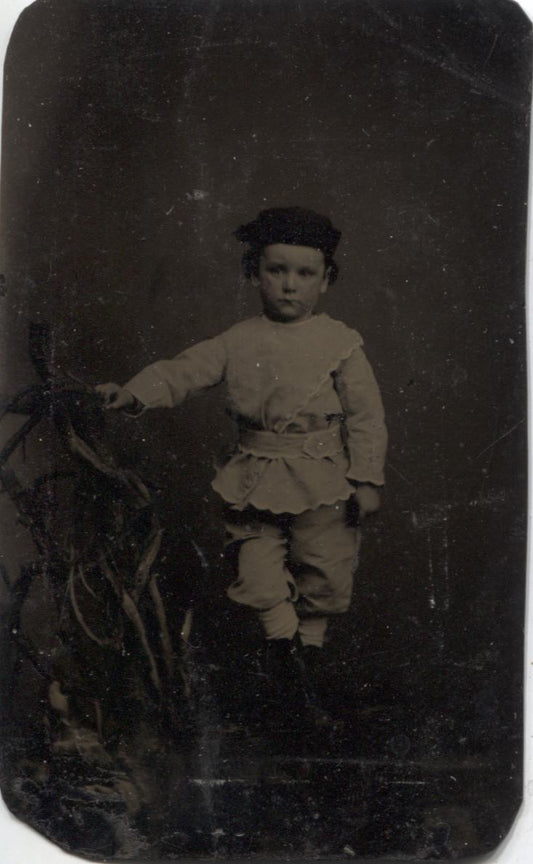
116, 397
368, 499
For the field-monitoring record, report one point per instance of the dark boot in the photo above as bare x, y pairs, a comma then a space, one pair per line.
285, 669
312, 659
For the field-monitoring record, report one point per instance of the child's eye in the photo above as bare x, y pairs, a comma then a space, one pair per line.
307, 272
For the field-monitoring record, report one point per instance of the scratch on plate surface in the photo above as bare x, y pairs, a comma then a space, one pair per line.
501, 437
477, 82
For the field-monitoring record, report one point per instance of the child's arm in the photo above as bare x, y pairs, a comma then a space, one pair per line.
167, 383
366, 433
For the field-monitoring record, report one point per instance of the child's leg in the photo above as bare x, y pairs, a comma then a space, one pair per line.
263, 581
323, 557
312, 630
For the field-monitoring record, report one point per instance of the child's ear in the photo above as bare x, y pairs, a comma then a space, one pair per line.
325, 282
254, 279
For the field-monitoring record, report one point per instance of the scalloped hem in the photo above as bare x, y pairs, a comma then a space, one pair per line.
240, 505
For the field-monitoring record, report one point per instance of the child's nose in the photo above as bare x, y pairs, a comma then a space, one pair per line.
289, 282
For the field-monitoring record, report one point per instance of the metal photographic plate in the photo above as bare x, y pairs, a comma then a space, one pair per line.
157, 703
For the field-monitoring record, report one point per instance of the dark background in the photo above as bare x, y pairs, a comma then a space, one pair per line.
138, 135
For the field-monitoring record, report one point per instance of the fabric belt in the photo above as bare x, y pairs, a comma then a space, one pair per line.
276, 445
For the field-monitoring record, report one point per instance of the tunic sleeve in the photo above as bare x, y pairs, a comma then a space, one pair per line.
366, 433
169, 382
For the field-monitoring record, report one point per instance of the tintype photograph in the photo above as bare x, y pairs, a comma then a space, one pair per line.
263, 456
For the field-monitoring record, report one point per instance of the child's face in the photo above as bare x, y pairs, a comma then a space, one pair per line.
290, 281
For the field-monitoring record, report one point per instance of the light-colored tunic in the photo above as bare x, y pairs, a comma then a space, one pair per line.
291, 379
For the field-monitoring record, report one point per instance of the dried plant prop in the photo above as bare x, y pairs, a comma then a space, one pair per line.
97, 555
115, 692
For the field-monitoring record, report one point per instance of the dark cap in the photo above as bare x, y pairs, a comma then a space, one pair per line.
292, 225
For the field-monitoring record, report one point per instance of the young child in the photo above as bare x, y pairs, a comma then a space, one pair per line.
311, 437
